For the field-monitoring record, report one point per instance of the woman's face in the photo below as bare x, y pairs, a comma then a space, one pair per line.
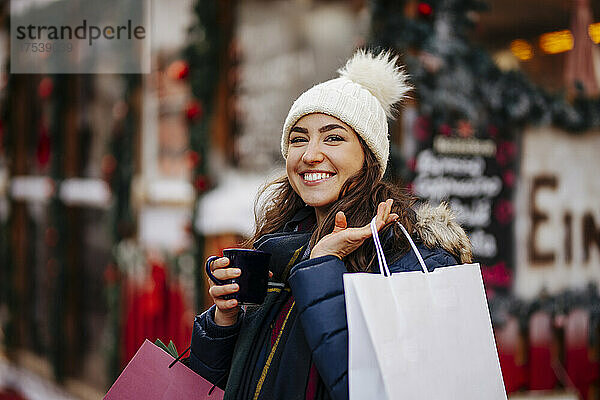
323, 153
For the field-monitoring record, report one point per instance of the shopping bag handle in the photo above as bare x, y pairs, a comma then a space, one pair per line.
383, 267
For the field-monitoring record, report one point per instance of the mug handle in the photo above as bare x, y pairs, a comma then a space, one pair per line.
209, 272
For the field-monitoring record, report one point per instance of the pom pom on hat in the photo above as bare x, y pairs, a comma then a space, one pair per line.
380, 75
363, 97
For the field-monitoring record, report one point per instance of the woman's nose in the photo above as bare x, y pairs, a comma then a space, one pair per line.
312, 154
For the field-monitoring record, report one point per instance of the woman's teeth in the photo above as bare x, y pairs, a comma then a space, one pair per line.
316, 176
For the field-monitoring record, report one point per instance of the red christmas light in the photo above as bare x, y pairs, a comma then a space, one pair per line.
201, 183
465, 129
45, 88
505, 152
497, 275
508, 177
504, 211
193, 158
422, 129
424, 9
178, 70
445, 130
193, 110
43, 147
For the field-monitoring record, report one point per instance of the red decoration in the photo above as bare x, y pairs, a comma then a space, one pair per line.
43, 147
506, 152
45, 88
178, 70
424, 9
193, 158
497, 275
445, 130
465, 129
201, 183
155, 288
493, 131
541, 358
422, 129
504, 211
193, 110
582, 369
508, 340
509, 178
154, 308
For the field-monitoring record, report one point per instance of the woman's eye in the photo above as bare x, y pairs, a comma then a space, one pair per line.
334, 138
297, 140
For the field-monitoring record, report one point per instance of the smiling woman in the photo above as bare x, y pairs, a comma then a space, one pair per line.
323, 153
315, 223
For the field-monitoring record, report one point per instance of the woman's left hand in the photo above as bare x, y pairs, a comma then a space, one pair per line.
343, 240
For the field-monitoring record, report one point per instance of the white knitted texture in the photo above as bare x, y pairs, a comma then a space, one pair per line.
349, 102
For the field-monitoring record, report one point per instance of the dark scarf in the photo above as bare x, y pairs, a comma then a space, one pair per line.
267, 366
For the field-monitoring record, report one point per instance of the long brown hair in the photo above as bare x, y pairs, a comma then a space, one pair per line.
358, 199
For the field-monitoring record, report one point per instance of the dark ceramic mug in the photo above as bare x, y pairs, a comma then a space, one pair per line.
254, 278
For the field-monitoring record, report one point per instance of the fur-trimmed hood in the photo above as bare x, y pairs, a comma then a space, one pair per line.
437, 226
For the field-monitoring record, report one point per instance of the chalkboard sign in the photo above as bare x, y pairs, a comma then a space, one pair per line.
474, 172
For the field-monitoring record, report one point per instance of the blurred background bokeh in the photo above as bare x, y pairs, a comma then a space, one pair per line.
114, 188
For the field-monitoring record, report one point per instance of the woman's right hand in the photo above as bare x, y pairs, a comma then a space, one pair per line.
226, 312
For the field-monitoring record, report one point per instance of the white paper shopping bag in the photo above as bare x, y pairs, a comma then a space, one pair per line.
416, 335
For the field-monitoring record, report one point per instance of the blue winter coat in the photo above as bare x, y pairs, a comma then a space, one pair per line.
320, 337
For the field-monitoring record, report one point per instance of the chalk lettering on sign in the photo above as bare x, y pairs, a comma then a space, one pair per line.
439, 188
430, 164
478, 214
465, 172
473, 147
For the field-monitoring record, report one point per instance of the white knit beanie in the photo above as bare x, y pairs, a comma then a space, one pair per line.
363, 97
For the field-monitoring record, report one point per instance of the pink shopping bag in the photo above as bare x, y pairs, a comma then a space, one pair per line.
148, 377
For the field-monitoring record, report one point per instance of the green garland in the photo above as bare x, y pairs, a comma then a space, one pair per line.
203, 56
467, 84
121, 216
57, 220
